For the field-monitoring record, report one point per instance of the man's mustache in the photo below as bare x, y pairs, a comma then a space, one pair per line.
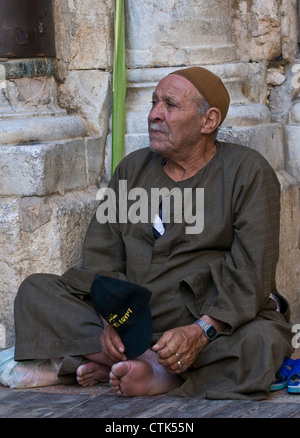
158, 128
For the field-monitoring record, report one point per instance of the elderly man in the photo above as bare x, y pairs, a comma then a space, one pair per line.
216, 331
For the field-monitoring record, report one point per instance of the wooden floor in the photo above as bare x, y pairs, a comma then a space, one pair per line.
98, 402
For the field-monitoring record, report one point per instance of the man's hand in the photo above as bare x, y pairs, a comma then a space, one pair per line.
111, 344
182, 344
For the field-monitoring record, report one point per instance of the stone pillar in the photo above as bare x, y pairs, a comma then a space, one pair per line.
174, 33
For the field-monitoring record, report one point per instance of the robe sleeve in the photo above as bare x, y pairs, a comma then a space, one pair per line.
241, 281
103, 249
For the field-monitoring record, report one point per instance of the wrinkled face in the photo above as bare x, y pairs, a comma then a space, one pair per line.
174, 123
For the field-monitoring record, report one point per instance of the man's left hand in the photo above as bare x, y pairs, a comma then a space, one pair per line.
178, 348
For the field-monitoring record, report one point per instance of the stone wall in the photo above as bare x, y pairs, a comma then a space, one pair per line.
53, 125
55, 119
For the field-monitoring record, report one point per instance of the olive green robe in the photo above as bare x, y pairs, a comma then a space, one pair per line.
226, 270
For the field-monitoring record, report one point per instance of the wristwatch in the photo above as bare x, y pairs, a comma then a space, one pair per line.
209, 331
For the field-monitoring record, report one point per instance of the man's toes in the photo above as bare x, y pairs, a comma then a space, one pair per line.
82, 370
119, 369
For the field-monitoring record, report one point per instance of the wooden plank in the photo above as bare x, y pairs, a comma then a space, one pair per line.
5, 393
172, 407
27, 404
110, 407
258, 409
92, 404
144, 407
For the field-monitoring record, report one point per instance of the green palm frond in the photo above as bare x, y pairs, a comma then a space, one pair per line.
119, 87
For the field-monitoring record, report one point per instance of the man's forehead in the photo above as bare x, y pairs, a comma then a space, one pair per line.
175, 86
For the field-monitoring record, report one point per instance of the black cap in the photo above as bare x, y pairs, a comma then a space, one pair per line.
125, 306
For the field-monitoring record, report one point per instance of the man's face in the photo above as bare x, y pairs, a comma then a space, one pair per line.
174, 124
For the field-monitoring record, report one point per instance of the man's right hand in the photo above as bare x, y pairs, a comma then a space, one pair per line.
111, 345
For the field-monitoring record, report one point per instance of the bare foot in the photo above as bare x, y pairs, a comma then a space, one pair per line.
142, 376
91, 373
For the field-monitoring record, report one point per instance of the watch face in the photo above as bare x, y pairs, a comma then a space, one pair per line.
211, 332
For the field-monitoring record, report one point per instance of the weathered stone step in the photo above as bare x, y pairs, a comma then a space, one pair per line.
39, 129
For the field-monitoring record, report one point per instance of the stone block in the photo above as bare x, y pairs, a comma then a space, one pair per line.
83, 34
2, 336
264, 29
34, 212
288, 268
39, 235
11, 264
94, 159
88, 94
268, 139
178, 33
42, 169
28, 96
28, 129
293, 150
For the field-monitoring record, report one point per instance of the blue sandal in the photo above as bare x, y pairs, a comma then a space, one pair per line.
283, 374
293, 381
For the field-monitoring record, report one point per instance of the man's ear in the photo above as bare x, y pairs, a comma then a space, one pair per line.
212, 120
